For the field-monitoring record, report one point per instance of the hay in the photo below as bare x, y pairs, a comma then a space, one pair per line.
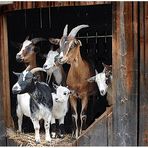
27, 139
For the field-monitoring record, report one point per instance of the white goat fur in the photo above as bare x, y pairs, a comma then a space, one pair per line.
60, 105
51, 68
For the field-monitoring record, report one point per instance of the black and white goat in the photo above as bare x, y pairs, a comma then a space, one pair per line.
60, 108
34, 101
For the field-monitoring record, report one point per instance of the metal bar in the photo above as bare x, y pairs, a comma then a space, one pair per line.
88, 37
41, 23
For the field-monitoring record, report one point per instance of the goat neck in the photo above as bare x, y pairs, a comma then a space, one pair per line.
75, 58
32, 63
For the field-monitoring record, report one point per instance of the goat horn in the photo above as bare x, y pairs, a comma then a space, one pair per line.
75, 30
34, 70
36, 40
27, 37
96, 71
65, 30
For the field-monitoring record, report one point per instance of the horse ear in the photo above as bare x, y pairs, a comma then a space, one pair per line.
54, 41
54, 86
92, 79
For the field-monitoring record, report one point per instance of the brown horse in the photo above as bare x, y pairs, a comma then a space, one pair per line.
79, 72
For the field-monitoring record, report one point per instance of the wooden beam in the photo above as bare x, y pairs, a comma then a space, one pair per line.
5, 71
143, 99
125, 74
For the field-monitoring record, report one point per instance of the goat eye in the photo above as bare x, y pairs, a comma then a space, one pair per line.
64, 93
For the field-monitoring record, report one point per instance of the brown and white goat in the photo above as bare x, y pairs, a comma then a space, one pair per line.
27, 53
79, 72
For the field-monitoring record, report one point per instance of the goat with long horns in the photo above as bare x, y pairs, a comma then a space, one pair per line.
80, 70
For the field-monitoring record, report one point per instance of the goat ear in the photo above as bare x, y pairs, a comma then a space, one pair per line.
104, 65
55, 86
17, 74
80, 42
96, 71
58, 50
92, 79
54, 41
108, 67
27, 37
36, 40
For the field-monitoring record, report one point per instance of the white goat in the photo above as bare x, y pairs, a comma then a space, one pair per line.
104, 82
60, 108
52, 68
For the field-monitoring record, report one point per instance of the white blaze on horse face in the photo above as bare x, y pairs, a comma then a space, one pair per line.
50, 59
101, 82
25, 43
62, 93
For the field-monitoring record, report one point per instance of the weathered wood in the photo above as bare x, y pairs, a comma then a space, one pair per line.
33, 4
99, 132
143, 100
5, 71
2, 124
125, 75
109, 127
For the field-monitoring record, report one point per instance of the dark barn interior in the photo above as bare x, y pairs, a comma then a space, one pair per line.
50, 22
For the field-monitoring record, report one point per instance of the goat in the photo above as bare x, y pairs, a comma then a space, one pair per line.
104, 82
27, 53
52, 68
60, 108
80, 70
34, 100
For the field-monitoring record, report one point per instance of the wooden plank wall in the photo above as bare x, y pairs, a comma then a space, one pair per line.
32, 4
99, 133
143, 92
5, 71
2, 115
125, 74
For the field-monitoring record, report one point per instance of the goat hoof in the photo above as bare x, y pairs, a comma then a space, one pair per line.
48, 141
61, 136
18, 131
37, 141
53, 135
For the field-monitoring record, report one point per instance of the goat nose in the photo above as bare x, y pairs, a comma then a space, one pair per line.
44, 66
15, 90
102, 92
18, 58
56, 99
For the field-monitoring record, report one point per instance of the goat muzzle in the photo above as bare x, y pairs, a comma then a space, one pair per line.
18, 58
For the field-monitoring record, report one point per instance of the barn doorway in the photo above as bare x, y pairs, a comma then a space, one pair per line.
49, 22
